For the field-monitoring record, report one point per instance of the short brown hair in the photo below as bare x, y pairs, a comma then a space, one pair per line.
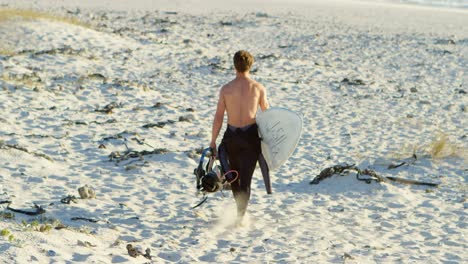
243, 60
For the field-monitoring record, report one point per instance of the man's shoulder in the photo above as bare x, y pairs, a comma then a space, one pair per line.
258, 85
226, 86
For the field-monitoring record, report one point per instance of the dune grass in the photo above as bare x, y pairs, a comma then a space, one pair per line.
6, 52
28, 14
10, 14
439, 147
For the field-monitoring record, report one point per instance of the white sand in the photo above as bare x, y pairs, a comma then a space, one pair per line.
413, 61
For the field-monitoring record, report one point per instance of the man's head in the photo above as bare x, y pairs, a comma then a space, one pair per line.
243, 61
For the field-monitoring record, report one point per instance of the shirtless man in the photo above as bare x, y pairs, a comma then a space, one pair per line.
240, 98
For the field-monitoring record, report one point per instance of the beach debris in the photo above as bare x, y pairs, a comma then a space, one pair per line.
97, 77
269, 56
60, 226
397, 165
69, 199
226, 23
39, 210
371, 176
65, 50
51, 253
109, 107
128, 154
328, 172
260, 14
352, 81
444, 42
336, 209
186, 118
36, 136
134, 252
86, 192
119, 135
347, 256
158, 124
157, 105
7, 215
3, 145
217, 63
85, 244
84, 219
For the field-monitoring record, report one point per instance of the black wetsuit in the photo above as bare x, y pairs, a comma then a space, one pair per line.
240, 150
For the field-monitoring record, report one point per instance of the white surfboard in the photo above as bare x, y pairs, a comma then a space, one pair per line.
280, 130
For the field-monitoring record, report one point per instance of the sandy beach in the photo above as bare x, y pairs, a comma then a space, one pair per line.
119, 96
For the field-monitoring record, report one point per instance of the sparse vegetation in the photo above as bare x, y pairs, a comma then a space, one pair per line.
9, 14
46, 226
440, 147
27, 14
6, 52
6, 233
7, 215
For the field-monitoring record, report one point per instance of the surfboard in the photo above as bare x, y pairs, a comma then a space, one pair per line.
280, 130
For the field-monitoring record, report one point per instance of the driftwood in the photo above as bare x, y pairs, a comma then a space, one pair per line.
328, 172
406, 181
372, 175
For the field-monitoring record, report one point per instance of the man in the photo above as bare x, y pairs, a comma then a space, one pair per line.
240, 98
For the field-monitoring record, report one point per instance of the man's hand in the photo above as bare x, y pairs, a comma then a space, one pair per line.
213, 148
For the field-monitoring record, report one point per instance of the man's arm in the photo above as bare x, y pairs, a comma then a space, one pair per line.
263, 101
218, 119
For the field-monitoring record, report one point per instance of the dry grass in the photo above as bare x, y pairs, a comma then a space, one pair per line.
439, 148
6, 52
25, 82
27, 14
8, 14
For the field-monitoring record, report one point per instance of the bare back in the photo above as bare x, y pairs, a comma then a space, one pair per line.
242, 97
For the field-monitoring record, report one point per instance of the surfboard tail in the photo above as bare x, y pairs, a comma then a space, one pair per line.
265, 173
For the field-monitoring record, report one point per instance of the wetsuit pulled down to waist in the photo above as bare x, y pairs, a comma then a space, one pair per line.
240, 150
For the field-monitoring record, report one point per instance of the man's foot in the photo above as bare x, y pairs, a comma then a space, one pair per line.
240, 220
